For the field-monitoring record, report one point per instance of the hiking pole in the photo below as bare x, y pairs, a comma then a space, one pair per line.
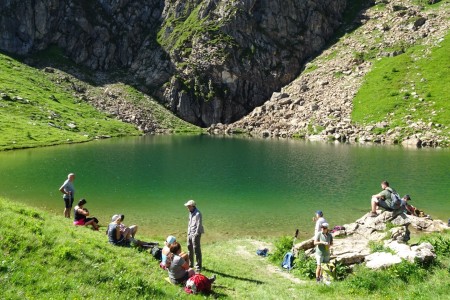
294, 240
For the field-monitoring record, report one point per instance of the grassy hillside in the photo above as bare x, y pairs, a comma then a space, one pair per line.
46, 257
410, 86
40, 108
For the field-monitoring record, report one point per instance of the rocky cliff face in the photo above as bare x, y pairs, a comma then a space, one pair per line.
209, 61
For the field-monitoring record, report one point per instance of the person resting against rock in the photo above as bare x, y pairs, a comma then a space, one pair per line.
80, 216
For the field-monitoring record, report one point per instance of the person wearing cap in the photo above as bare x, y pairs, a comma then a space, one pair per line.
80, 216
127, 231
68, 191
194, 233
319, 219
115, 237
322, 240
166, 250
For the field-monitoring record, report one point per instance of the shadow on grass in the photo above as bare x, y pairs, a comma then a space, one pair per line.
234, 277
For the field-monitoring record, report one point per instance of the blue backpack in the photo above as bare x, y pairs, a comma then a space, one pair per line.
288, 261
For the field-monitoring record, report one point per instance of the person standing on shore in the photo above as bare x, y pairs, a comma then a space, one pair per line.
68, 191
319, 219
194, 233
322, 240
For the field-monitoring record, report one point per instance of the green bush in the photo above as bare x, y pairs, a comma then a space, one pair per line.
304, 266
407, 271
282, 245
440, 243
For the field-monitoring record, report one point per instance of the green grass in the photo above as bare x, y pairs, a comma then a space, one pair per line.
45, 257
387, 93
39, 108
37, 112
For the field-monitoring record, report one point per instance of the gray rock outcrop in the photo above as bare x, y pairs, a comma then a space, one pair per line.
352, 245
209, 61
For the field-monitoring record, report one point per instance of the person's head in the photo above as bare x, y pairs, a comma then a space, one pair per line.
82, 202
122, 217
384, 184
71, 176
324, 227
190, 205
116, 219
319, 214
175, 248
406, 198
170, 240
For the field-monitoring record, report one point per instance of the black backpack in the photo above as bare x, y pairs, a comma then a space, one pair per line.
157, 253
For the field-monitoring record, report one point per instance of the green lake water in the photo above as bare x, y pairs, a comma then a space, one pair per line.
244, 187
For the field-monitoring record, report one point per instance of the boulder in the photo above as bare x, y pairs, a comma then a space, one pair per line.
380, 260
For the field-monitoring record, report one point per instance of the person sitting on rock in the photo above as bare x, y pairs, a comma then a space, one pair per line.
380, 199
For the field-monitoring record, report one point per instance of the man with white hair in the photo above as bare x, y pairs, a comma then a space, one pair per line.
194, 233
68, 191
322, 240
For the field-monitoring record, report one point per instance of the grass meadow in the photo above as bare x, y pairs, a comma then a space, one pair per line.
43, 256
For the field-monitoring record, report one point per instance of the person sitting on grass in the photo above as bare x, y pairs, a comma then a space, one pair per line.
80, 216
178, 267
127, 230
322, 240
123, 238
115, 236
166, 250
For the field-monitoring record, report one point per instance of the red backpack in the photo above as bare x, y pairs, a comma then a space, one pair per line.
197, 284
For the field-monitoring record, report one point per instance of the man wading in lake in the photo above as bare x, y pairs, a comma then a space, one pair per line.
194, 233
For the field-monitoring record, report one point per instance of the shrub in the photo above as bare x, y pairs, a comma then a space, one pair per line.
440, 243
282, 245
407, 271
305, 266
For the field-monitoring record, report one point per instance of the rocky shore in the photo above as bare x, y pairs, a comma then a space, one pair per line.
318, 104
392, 231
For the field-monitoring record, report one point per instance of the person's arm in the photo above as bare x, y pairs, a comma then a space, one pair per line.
185, 264
198, 222
118, 234
317, 240
62, 189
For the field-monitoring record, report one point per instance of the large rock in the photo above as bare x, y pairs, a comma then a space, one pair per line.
380, 260
351, 246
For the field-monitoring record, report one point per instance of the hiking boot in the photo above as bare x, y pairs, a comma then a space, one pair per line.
373, 214
198, 270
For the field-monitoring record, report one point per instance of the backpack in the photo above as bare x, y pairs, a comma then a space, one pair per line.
395, 201
197, 284
288, 261
157, 253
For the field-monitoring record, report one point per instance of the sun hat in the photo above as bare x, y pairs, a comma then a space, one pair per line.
325, 225
170, 240
190, 203
115, 218
319, 212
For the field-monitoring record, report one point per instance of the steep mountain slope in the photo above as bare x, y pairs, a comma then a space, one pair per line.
385, 81
208, 61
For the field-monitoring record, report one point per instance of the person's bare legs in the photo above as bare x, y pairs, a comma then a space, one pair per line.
133, 230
